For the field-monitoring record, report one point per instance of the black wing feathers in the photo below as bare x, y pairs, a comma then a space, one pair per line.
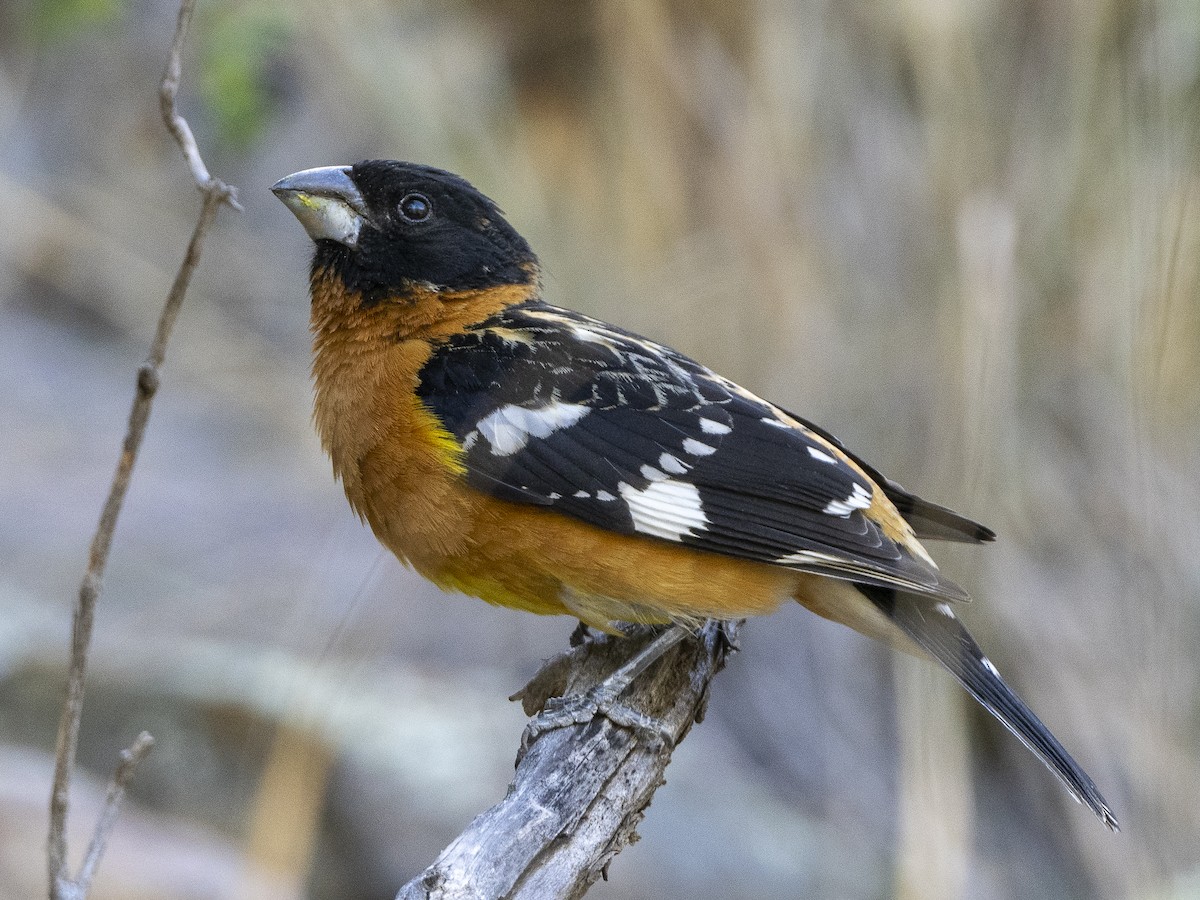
929, 520
558, 409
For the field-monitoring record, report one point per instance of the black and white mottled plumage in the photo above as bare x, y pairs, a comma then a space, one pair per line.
558, 409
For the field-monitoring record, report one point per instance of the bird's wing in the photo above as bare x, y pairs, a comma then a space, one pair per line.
554, 408
929, 520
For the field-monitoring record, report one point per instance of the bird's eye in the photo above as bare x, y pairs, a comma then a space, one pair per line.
416, 207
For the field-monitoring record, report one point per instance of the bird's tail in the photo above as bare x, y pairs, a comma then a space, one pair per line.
937, 631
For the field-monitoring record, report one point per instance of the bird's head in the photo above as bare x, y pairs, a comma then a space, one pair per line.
389, 228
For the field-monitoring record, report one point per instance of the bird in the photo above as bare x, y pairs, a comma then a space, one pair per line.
544, 460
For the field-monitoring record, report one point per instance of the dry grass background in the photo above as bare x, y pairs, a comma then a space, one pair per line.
964, 236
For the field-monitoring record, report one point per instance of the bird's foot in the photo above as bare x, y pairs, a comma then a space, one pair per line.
602, 700
579, 709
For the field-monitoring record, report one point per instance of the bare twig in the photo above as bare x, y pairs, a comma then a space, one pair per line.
112, 804
580, 791
216, 193
177, 124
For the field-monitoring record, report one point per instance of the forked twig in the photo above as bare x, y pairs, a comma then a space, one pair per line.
216, 193
112, 805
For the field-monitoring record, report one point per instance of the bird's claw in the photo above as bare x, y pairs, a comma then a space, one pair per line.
579, 709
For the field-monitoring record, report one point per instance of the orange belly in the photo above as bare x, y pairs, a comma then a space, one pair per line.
531, 558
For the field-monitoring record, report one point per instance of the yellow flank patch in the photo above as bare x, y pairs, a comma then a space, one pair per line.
496, 593
449, 451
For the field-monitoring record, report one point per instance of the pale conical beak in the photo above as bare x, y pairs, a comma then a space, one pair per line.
326, 201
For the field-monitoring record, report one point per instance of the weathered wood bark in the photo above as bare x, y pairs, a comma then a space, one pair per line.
580, 791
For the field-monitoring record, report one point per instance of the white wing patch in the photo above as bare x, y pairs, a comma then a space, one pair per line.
860, 498
698, 448
667, 509
510, 427
712, 426
818, 453
672, 464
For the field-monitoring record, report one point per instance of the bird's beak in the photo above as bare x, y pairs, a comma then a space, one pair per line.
326, 201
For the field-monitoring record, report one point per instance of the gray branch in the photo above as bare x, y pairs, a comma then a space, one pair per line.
580, 791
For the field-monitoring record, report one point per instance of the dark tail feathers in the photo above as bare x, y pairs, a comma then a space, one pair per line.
935, 628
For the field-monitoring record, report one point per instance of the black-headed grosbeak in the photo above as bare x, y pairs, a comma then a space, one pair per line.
547, 461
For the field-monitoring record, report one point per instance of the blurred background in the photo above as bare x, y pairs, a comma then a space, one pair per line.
963, 236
